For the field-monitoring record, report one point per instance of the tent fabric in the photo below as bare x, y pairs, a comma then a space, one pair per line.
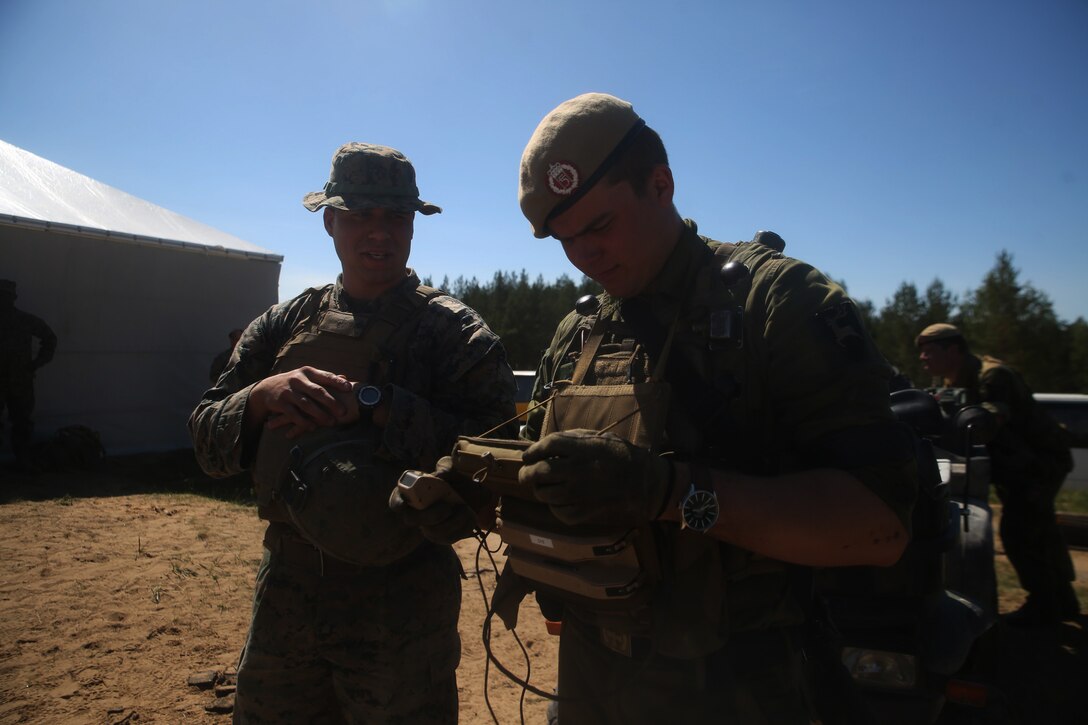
36, 189
141, 300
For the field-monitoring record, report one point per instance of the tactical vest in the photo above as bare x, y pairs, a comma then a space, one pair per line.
333, 484
654, 581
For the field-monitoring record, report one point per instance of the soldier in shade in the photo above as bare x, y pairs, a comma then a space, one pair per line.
331, 395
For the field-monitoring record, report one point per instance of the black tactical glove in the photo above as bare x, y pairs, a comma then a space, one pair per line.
443, 521
587, 477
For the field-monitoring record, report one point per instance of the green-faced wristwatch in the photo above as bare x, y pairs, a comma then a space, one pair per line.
369, 397
699, 508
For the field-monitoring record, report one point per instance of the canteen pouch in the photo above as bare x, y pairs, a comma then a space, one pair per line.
336, 493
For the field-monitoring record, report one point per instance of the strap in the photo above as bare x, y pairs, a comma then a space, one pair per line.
589, 350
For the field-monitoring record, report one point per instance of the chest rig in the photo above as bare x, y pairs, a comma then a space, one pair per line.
671, 397
333, 484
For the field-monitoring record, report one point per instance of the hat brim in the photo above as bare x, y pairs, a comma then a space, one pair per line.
317, 199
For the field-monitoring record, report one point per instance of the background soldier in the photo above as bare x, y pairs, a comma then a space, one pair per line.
1029, 460
18, 363
219, 364
332, 395
783, 451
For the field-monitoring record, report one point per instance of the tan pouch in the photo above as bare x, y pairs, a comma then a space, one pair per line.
595, 584
492, 463
635, 412
618, 550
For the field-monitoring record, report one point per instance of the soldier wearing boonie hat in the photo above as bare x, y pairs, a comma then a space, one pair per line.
328, 398
1029, 460
767, 361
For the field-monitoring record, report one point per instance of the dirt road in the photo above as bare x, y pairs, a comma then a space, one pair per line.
116, 586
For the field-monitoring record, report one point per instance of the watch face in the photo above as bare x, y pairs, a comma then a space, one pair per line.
369, 396
700, 510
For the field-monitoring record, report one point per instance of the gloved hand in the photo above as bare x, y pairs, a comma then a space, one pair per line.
444, 521
599, 478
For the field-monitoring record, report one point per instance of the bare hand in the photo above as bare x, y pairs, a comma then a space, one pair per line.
302, 400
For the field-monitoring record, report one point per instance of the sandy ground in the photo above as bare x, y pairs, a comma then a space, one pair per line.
117, 586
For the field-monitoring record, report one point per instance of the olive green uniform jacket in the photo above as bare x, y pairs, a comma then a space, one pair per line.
806, 389
1029, 442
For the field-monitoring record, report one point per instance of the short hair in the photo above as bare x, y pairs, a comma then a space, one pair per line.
638, 160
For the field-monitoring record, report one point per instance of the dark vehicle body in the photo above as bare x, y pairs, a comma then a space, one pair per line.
918, 640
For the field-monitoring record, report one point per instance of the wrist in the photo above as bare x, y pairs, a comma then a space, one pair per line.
679, 482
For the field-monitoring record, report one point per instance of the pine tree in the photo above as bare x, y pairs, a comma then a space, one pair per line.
1015, 322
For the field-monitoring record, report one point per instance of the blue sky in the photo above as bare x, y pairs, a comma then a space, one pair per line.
886, 142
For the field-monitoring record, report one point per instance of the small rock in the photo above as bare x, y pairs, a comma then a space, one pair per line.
203, 680
224, 689
221, 704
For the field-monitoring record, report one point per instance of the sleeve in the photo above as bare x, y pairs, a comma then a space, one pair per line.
471, 390
828, 385
220, 440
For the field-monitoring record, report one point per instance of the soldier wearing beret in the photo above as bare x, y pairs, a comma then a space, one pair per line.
1030, 458
720, 414
326, 399
18, 363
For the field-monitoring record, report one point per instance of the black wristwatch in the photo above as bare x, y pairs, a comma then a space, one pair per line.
369, 397
699, 508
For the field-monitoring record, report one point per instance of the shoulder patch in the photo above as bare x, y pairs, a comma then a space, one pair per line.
842, 322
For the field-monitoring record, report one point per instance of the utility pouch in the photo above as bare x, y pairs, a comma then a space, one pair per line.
635, 412
604, 569
492, 463
336, 494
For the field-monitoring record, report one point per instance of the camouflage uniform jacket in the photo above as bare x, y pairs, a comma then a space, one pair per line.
1029, 442
454, 380
17, 332
807, 389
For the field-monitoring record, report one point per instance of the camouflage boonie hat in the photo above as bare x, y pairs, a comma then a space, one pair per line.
7, 287
937, 331
366, 176
572, 148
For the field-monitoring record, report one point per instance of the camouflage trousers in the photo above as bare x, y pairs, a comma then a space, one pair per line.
335, 643
757, 678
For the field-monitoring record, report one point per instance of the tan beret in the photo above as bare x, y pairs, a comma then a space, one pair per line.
937, 331
572, 148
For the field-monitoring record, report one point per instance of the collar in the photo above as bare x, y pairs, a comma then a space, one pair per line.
676, 278
347, 303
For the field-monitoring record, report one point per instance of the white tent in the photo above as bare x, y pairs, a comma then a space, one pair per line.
141, 300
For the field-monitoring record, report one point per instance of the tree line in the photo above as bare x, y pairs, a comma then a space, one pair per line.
1003, 317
